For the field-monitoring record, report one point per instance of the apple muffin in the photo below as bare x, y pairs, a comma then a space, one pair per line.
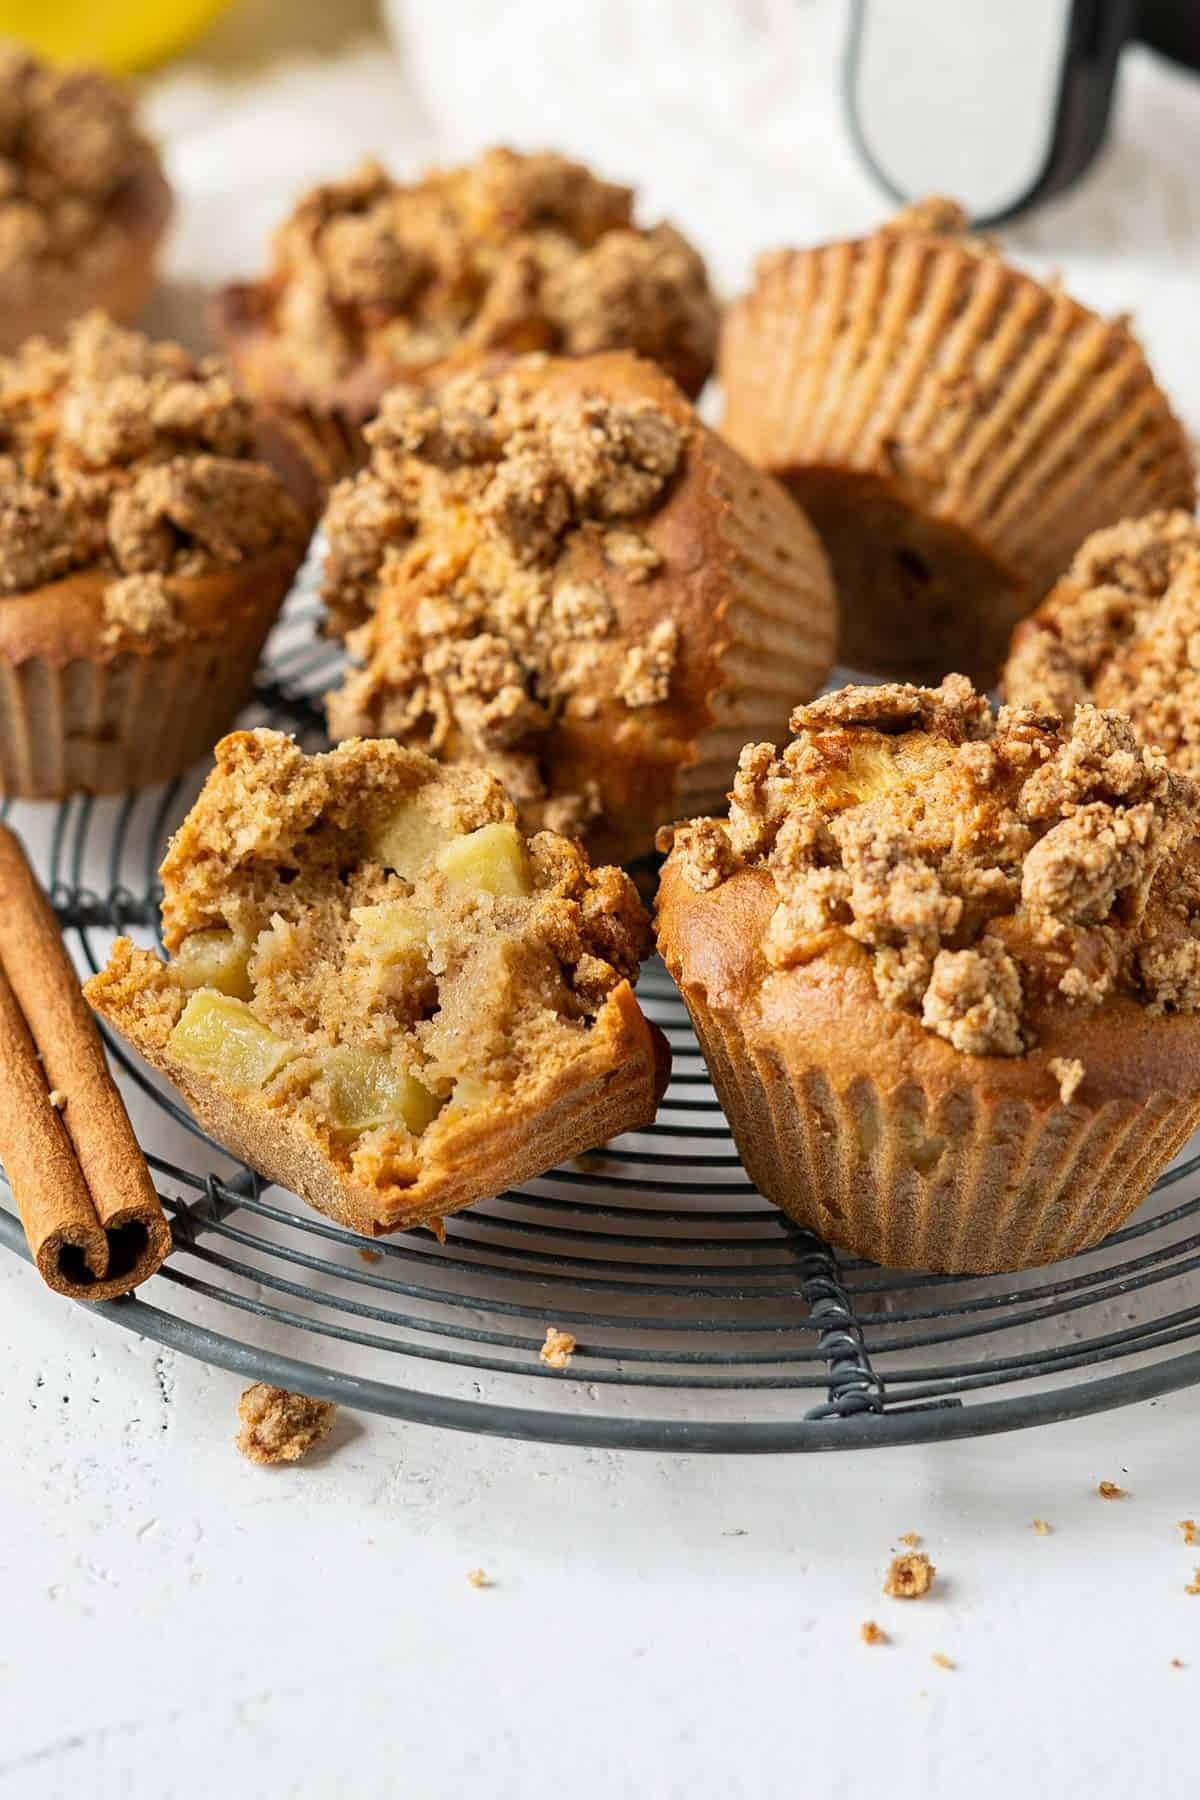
944, 965
379, 992
954, 428
375, 280
146, 545
1122, 629
84, 203
557, 572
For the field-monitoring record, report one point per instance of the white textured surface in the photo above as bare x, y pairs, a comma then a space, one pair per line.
181, 1624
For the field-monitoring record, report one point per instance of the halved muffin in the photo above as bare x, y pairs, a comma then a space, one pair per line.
1122, 629
376, 281
560, 574
953, 427
84, 203
150, 528
380, 993
945, 969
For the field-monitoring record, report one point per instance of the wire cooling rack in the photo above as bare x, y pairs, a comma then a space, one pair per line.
704, 1320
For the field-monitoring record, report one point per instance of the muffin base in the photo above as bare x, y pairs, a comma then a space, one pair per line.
77, 717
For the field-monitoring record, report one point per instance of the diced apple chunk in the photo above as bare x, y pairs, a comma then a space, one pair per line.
491, 860
407, 840
391, 929
219, 1036
366, 1089
214, 959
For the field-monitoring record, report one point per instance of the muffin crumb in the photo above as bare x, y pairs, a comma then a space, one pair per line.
943, 1662
279, 1426
909, 1576
1188, 1528
479, 1578
912, 1539
1193, 1586
1069, 1072
558, 1348
1042, 1528
1108, 1490
871, 1633
57, 1099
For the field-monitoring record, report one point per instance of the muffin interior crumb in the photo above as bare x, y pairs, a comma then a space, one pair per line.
369, 942
510, 254
128, 456
464, 563
983, 860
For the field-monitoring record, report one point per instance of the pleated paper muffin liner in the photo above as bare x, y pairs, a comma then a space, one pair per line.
960, 1185
955, 429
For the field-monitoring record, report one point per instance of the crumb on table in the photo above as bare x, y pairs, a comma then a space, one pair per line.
558, 1347
279, 1426
1193, 1586
871, 1633
479, 1578
909, 1576
1188, 1528
1041, 1527
912, 1539
1108, 1490
1175, 1663
943, 1662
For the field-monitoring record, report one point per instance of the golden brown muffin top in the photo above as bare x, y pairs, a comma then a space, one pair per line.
510, 253
128, 456
447, 565
1122, 629
69, 147
983, 859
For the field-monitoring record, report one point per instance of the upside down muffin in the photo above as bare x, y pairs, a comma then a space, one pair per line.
375, 281
953, 427
559, 573
1122, 629
84, 203
145, 548
382, 994
945, 968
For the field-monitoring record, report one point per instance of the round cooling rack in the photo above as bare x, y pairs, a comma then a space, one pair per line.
703, 1319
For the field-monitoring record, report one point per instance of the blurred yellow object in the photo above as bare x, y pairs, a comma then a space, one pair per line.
120, 34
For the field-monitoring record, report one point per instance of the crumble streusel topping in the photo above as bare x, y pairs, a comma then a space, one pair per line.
1122, 629
278, 1426
982, 859
450, 567
511, 253
128, 455
68, 147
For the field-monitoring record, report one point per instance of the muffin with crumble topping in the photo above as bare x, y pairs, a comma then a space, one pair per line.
944, 964
559, 573
84, 203
376, 280
150, 528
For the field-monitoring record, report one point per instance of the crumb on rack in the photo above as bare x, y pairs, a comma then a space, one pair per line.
370, 1256
943, 1662
1041, 1527
1108, 1490
912, 1539
909, 1576
1068, 1071
57, 1099
279, 1426
558, 1347
871, 1633
479, 1578
1188, 1528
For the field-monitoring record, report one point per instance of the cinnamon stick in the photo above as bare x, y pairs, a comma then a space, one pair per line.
93, 1219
